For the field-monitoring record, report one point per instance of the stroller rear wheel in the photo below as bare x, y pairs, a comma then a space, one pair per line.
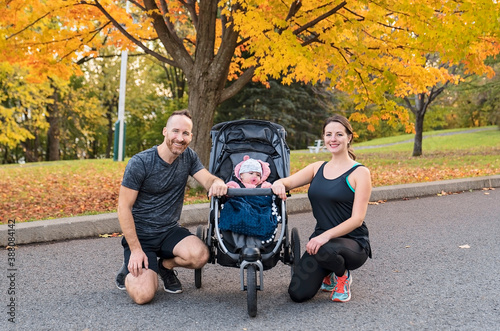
200, 233
252, 290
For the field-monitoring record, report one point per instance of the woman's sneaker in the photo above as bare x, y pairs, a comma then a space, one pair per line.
328, 283
171, 283
342, 291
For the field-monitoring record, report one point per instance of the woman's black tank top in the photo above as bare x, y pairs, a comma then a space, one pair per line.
332, 201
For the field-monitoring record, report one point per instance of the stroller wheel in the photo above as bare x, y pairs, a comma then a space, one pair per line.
295, 248
252, 290
200, 233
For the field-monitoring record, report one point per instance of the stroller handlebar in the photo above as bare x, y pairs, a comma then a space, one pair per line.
239, 192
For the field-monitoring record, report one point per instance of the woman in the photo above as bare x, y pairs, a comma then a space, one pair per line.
339, 194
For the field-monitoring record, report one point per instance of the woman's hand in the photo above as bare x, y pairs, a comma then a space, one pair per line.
315, 243
279, 189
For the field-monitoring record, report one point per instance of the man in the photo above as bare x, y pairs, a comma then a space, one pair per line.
149, 207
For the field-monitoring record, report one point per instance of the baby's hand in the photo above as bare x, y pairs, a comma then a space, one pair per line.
266, 185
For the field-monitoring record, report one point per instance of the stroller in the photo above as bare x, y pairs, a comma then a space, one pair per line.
265, 141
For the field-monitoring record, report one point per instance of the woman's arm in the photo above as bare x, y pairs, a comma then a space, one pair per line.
300, 178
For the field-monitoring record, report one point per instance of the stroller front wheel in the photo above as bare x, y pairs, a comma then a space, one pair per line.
252, 290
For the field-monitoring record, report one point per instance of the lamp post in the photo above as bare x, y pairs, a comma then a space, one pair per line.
119, 154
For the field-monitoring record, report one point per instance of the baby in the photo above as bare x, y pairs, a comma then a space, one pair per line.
252, 220
251, 173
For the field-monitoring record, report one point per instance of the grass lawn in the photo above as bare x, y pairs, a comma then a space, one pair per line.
47, 190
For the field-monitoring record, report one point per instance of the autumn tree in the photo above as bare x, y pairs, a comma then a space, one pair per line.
365, 48
22, 107
300, 108
420, 103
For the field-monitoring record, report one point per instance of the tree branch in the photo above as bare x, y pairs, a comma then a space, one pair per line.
191, 7
34, 22
237, 85
206, 33
165, 11
27, 27
138, 5
132, 38
89, 58
169, 39
294, 8
320, 18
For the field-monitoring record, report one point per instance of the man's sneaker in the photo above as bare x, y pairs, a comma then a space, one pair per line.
342, 291
171, 283
329, 283
120, 277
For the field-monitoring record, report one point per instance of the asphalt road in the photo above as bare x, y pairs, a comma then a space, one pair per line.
436, 266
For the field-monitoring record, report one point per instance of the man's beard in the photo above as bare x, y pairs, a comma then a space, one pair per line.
176, 150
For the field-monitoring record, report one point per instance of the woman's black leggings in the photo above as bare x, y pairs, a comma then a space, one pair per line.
336, 256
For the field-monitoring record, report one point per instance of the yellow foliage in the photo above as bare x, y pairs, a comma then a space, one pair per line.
363, 47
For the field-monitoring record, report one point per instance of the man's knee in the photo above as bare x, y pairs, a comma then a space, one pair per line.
142, 297
142, 289
199, 256
193, 250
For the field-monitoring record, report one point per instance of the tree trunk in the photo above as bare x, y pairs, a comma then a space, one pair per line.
31, 148
202, 106
207, 77
419, 129
109, 118
419, 111
54, 128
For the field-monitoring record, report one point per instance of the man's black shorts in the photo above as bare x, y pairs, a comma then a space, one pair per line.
159, 246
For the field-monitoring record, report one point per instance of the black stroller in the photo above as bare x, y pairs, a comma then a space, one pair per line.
265, 141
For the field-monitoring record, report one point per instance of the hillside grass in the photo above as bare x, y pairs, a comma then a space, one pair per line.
46, 190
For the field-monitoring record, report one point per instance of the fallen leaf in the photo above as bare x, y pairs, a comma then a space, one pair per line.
108, 235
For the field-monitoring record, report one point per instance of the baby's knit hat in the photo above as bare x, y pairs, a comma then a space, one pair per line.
250, 165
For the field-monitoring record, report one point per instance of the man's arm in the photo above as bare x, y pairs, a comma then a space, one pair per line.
213, 184
126, 201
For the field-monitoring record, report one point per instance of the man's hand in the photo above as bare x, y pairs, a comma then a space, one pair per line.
218, 188
137, 259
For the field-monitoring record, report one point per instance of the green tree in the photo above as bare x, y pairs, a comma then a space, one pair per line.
300, 108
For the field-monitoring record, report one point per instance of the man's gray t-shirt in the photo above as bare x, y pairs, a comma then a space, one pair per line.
161, 188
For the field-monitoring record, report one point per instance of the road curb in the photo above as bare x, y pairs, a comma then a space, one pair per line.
93, 225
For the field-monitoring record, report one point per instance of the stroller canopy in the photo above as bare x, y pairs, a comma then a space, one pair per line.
262, 140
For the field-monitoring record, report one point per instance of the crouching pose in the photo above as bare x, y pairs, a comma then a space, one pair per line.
339, 194
149, 207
